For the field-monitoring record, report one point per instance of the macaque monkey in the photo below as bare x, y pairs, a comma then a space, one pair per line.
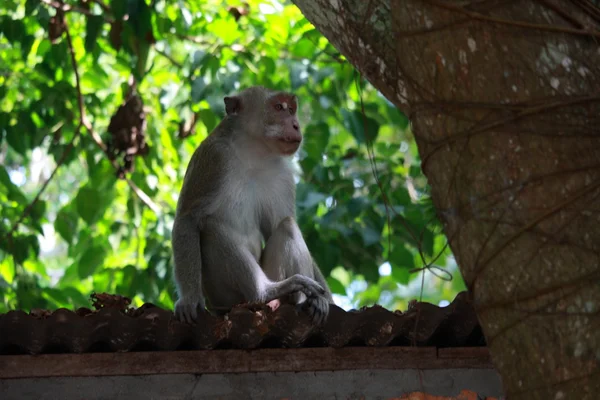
239, 192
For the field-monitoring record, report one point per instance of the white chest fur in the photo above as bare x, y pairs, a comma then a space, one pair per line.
261, 196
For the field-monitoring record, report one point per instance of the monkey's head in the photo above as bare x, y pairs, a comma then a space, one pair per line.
268, 116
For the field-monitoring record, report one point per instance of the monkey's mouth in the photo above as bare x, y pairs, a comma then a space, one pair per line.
289, 147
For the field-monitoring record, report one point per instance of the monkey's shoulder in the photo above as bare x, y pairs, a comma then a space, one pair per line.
206, 174
213, 151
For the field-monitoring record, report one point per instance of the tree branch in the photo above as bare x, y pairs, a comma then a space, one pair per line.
95, 137
168, 57
103, 6
68, 8
500, 21
37, 197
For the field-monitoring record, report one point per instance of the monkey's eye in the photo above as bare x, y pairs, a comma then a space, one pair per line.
278, 107
292, 111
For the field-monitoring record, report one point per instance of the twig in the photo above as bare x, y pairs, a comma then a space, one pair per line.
521, 24
562, 13
30, 206
532, 223
193, 39
83, 122
82, 117
103, 6
168, 57
590, 9
530, 111
68, 8
96, 138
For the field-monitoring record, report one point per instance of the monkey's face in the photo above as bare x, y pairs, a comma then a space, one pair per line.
282, 133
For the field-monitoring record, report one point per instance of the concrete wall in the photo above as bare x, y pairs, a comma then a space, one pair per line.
357, 384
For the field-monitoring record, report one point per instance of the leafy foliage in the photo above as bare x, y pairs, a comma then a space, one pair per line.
71, 226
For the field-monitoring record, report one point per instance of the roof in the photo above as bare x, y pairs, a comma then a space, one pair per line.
151, 328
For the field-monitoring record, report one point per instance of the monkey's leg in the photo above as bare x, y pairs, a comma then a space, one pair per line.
188, 268
285, 255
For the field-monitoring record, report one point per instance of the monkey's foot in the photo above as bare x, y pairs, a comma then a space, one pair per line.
187, 310
274, 304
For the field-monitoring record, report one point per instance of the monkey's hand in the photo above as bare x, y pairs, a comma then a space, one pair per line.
301, 283
187, 310
317, 308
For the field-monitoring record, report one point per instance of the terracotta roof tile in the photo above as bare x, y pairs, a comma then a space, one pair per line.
151, 328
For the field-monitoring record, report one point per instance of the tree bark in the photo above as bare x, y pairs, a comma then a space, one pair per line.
504, 100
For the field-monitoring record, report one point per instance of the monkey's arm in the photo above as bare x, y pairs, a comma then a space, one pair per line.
257, 287
286, 255
196, 200
188, 268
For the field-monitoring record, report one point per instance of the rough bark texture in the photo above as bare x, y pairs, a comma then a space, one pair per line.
504, 98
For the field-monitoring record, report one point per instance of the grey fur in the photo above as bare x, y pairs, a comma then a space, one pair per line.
237, 192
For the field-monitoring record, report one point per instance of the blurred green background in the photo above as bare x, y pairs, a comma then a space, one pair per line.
362, 202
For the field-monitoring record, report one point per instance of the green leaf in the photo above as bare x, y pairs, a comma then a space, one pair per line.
360, 126
198, 89
16, 139
38, 210
356, 206
397, 117
129, 283
311, 199
198, 59
93, 29
14, 29
401, 275
58, 296
14, 192
400, 257
66, 223
71, 275
102, 176
338, 201
26, 43
370, 236
119, 8
427, 241
91, 260
76, 299
92, 203
31, 6
21, 247
336, 286
298, 76
369, 296
208, 118
387, 149
316, 138
37, 216
303, 48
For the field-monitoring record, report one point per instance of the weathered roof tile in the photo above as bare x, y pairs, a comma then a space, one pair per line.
152, 328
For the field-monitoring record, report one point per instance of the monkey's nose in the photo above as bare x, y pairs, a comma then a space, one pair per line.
295, 125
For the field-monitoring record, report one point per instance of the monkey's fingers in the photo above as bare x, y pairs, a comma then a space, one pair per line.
317, 308
187, 311
295, 283
312, 287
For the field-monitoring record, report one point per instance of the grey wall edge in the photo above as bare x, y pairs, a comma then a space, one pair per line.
357, 384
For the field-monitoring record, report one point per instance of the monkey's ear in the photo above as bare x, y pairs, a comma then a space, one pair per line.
233, 104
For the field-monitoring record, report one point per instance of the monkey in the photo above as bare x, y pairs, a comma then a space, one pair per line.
238, 193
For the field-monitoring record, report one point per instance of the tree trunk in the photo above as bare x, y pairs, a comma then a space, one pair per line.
504, 98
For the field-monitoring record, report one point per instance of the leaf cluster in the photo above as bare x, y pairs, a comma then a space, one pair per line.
362, 199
